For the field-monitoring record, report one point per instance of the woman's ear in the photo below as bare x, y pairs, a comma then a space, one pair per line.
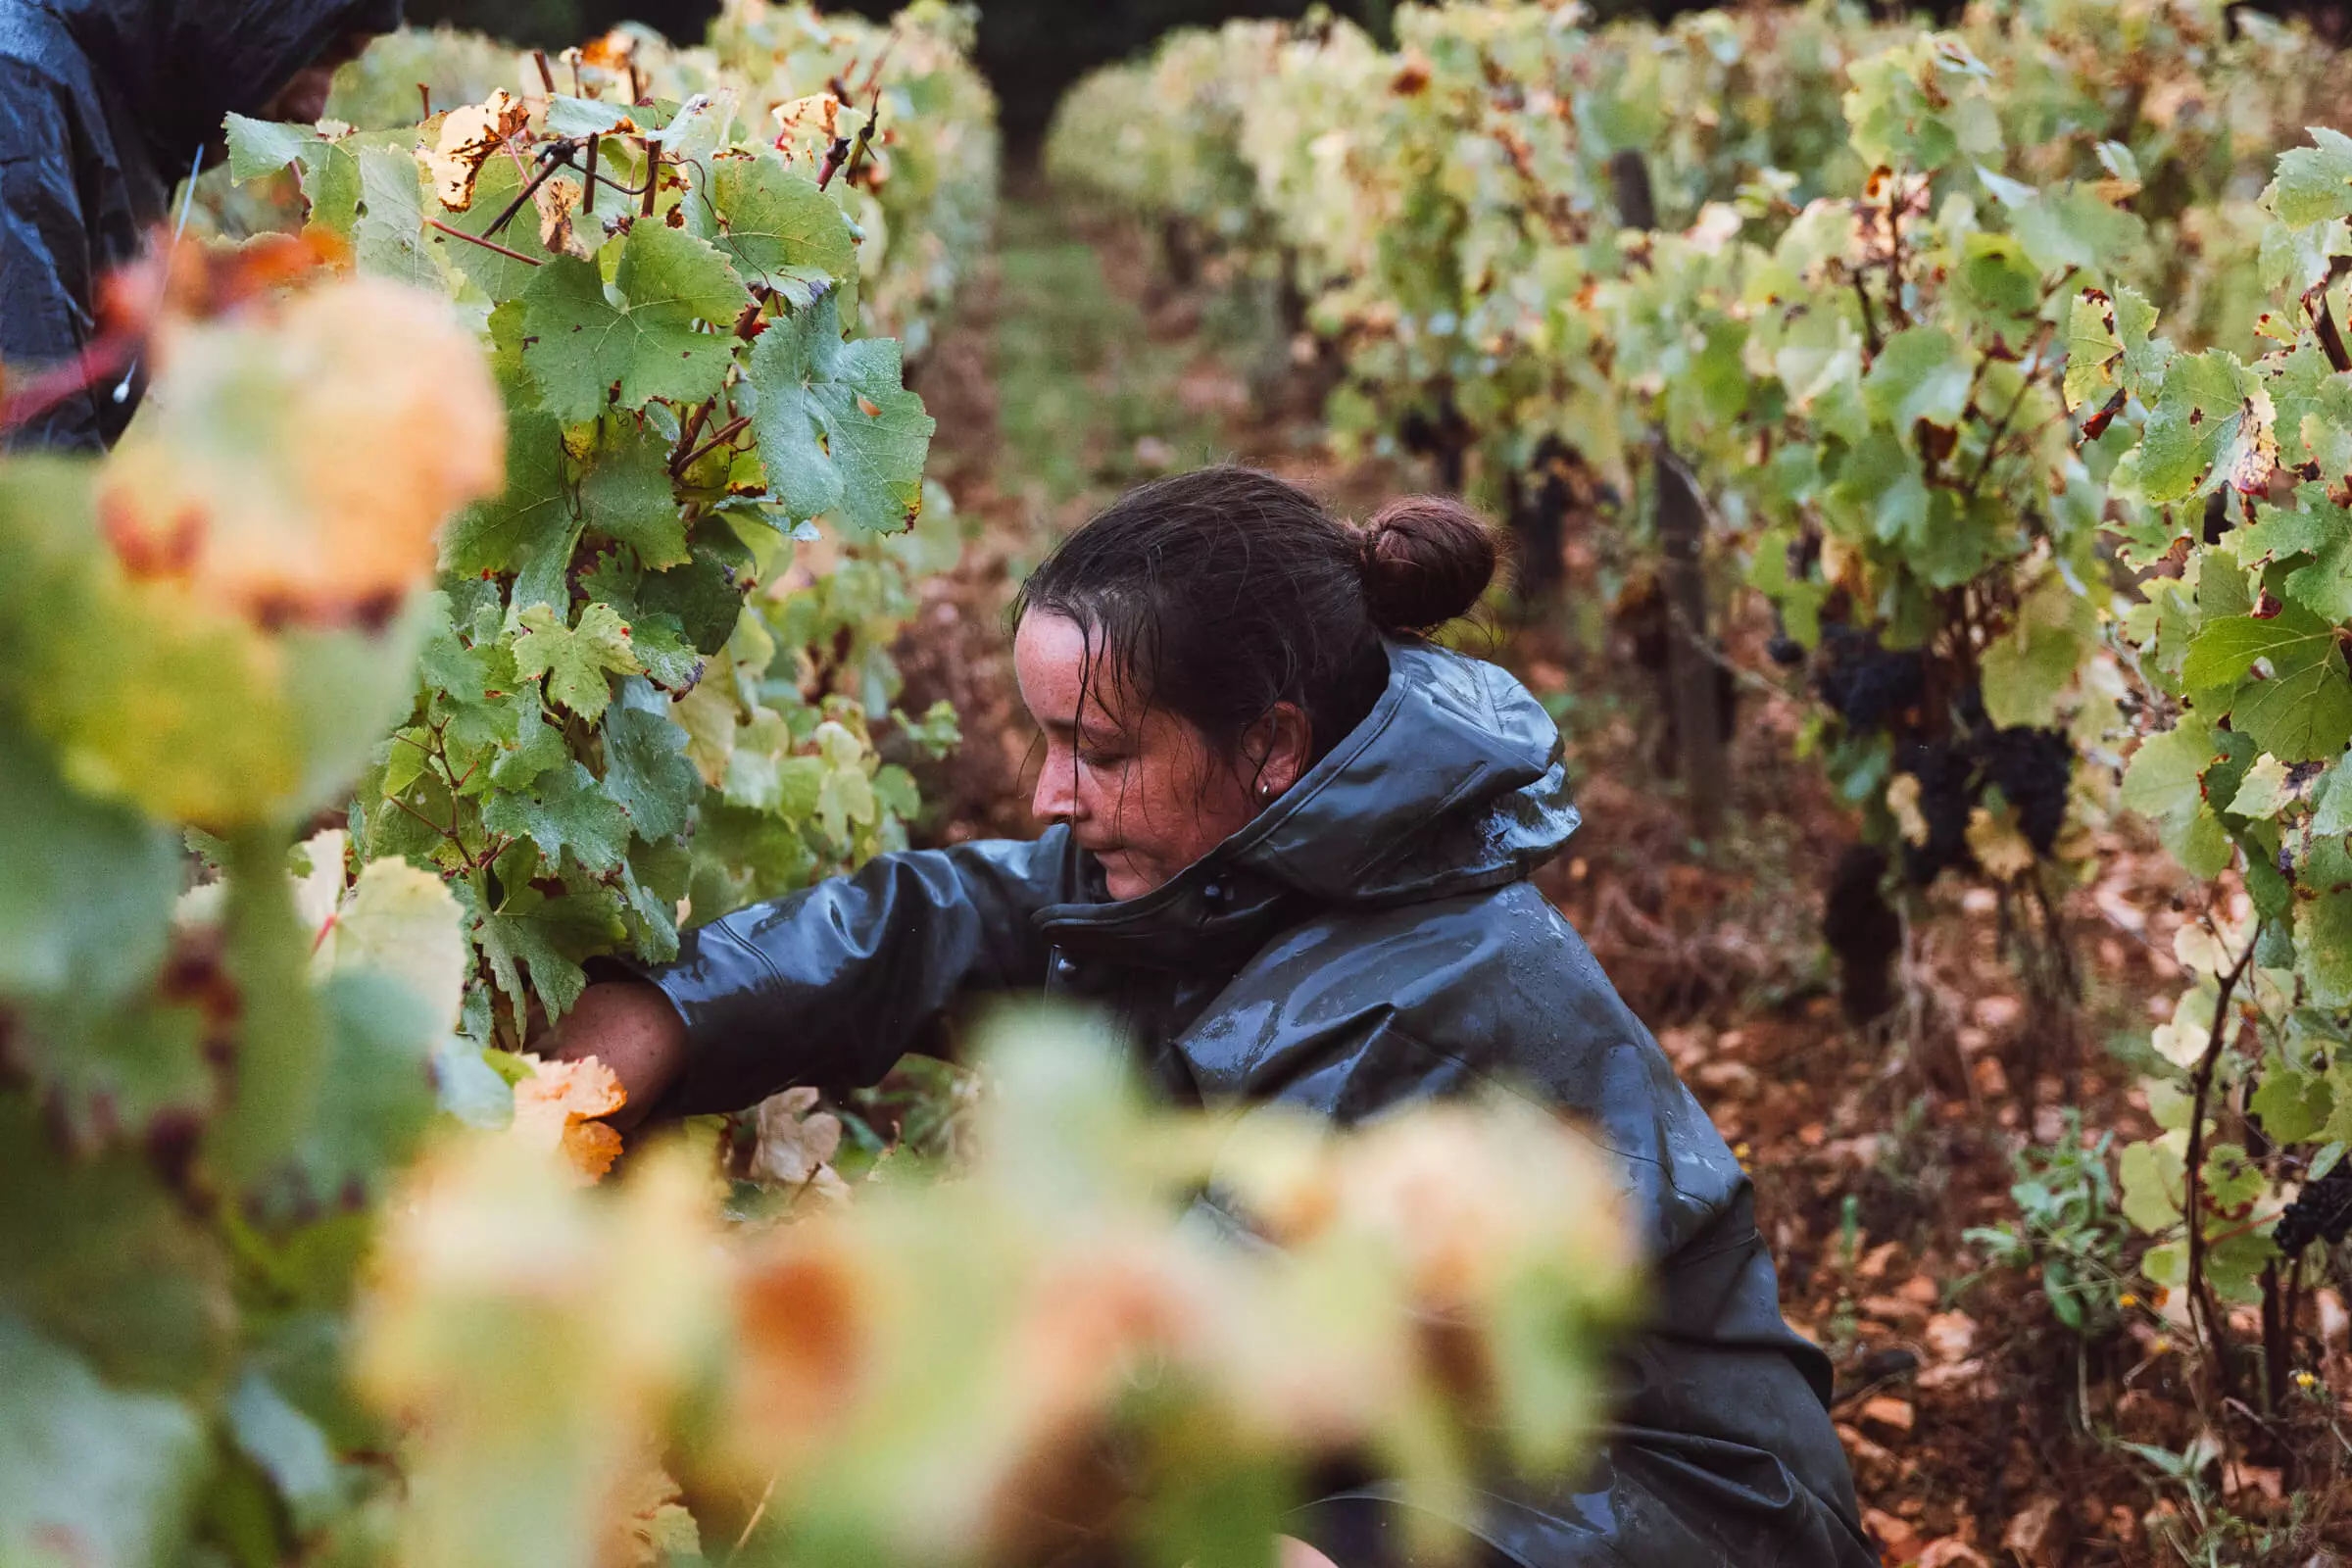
1279, 748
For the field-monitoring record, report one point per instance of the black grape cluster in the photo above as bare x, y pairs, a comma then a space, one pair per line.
2032, 768
1866, 685
2321, 1211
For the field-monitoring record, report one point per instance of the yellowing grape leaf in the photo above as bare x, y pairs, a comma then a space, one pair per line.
238, 478
554, 1110
575, 659
468, 136
402, 922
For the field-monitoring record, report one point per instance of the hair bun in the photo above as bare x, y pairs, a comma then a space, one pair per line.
1426, 560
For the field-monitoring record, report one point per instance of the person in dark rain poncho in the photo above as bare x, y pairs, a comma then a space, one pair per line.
105, 107
1290, 854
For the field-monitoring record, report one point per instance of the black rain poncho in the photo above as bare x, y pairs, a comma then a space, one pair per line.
1369, 938
103, 107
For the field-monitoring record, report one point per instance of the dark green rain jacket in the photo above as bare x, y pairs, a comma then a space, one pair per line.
1369, 938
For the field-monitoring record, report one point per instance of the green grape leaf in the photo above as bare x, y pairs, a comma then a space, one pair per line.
2234, 1260
2303, 713
388, 236
538, 747
89, 1474
706, 595
581, 344
1996, 282
86, 897
2153, 1179
288, 1447
1921, 373
2314, 184
575, 659
2320, 527
2312, 404
627, 495
2108, 343
2068, 229
564, 809
836, 430
645, 771
2323, 924
779, 229
2293, 1103
330, 173
446, 663
653, 882
762, 773
2165, 783
2093, 349
402, 923
548, 937
708, 716
530, 517
258, 147
2211, 425
2264, 790
1922, 106
469, 1086
2025, 672
376, 1092
670, 662
2293, 261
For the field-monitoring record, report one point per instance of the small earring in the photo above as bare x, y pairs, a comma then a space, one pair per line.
1265, 791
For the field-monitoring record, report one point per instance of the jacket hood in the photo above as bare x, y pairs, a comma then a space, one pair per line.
1452, 784
182, 65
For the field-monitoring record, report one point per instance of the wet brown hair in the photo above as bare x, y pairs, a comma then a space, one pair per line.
1226, 591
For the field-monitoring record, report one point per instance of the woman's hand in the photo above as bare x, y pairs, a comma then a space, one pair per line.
632, 1028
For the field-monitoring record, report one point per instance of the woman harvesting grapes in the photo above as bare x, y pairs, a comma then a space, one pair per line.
1290, 854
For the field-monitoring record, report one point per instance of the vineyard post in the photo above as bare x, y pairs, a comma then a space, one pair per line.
1691, 672
1692, 689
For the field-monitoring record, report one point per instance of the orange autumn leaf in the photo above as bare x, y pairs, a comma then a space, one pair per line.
556, 1106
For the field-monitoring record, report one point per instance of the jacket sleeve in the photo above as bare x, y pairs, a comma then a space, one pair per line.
835, 983
46, 270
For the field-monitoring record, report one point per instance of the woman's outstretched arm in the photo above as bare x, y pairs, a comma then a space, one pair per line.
831, 984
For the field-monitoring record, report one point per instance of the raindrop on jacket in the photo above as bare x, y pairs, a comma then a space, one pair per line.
1369, 938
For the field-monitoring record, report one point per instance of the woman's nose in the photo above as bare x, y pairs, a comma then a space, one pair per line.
1057, 795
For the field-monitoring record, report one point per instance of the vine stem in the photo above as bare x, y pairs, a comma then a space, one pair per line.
724, 433
2331, 337
1870, 321
2200, 1293
486, 244
1993, 442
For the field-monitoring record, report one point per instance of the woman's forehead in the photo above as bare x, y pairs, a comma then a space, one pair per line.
1057, 661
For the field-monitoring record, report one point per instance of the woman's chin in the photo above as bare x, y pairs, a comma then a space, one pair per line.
1123, 883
